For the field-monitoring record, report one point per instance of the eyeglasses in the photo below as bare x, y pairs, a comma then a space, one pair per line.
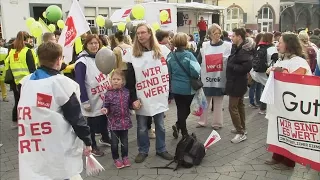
93, 43
142, 33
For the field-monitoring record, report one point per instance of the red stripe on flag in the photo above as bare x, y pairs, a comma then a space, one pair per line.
297, 79
210, 141
301, 160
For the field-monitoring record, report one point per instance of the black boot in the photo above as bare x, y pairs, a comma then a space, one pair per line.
175, 131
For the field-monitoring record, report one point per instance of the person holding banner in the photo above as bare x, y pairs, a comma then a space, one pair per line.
181, 62
213, 59
93, 86
148, 82
238, 66
292, 63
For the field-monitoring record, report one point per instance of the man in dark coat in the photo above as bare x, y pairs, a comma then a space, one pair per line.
238, 66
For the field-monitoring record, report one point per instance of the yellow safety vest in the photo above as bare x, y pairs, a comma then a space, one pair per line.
35, 57
69, 68
18, 64
3, 55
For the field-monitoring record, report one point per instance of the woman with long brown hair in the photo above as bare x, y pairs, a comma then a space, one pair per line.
92, 87
21, 62
146, 64
293, 63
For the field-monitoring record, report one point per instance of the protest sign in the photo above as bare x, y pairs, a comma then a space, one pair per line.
294, 118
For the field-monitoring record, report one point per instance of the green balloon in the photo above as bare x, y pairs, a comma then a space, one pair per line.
53, 13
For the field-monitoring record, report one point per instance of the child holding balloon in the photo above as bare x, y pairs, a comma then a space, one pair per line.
116, 106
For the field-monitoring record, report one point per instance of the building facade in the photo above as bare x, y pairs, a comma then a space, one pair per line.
15, 12
296, 14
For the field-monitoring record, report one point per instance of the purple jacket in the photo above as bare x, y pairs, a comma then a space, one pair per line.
117, 101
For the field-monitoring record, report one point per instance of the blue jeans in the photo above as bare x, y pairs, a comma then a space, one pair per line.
143, 135
255, 90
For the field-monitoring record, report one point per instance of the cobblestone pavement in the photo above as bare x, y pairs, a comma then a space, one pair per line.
224, 161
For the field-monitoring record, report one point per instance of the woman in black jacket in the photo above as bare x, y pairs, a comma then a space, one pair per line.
238, 66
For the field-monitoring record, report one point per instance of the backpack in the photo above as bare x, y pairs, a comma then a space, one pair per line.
189, 152
259, 62
312, 57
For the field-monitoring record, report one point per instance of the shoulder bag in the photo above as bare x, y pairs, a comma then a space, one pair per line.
196, 83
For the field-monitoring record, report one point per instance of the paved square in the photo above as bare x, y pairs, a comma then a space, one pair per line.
224, 161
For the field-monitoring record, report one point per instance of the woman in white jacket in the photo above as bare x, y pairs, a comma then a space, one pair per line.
213, 60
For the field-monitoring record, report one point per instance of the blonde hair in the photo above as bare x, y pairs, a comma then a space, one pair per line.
304, 37
180, 40
213, 28
120, 73
127, 39
138, 48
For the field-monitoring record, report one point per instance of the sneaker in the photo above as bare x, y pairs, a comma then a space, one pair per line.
216, 127
140, 158
14, 125
175, 131
152, 135
118, 163
239, 138
253, 106
281, 167
234, 131
104, 142
165, 155
271, 162
262, 112
97, 134
200, 126
5, 100
96, 152
1, 145
126, 162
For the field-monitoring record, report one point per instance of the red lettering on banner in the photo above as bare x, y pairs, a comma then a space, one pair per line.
297, 130
155, 91
214, 62
24, 113
101, 88
28, 145
151, 71
100, 77
163, 61
37, 129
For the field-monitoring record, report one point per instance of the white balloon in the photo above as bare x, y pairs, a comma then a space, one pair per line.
105, 60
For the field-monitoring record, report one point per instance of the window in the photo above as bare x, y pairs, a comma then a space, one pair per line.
265, 19
234, 18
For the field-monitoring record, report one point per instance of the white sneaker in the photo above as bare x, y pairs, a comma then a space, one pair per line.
239, 138
1, 145
234, 131
152, 135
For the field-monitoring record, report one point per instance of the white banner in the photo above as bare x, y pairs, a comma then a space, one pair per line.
214, 63
294, 117
152, 82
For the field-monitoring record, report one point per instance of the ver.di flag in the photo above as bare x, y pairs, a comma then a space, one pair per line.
76, 25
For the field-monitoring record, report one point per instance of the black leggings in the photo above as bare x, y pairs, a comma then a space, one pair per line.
149, 123
98, 124
16, 95
183, 103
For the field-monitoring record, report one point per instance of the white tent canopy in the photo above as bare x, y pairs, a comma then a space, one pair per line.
198, 6
120, 15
